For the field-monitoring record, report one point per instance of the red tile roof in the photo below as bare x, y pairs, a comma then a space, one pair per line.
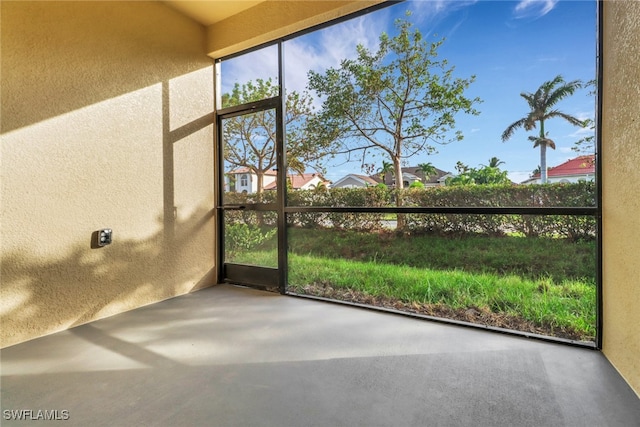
246, 170
298, 181
579, 166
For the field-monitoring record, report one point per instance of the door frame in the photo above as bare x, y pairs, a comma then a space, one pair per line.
256, 276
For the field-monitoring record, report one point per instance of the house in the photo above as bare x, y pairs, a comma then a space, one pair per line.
356, 181
243, 180
305, 181
582, 168
413, 173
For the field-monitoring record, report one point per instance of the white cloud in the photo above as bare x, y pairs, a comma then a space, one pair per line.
565, 150
315, 51
260, 64
534, 8
340, 41
581, 133
549, 59
327, 48
518, 176
584, 115
431, 11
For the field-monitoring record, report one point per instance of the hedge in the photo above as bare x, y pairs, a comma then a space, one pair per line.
573, 227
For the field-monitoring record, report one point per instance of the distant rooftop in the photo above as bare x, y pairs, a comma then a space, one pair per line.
299, 180
581, 165
247, 170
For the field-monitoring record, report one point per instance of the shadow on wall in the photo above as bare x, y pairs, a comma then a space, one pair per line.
41, 298
94, 70
169, 139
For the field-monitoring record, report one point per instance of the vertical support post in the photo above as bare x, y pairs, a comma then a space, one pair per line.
598, 167
218, 174
281, 151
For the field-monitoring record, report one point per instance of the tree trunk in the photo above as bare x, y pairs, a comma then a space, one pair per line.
543, 154
259, 190
397, 167
260, 183
543, 163
397, 171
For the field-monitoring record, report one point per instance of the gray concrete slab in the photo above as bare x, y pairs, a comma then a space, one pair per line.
229, 356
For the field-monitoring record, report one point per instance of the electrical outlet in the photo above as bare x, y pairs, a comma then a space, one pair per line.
104, 237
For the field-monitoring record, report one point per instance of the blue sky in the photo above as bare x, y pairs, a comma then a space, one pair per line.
510, 46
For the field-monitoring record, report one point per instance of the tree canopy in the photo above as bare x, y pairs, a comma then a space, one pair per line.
428, 170
587, 144
249, 140
494, 162
479, 176
400, 100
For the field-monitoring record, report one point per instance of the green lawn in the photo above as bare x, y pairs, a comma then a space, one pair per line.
549, 283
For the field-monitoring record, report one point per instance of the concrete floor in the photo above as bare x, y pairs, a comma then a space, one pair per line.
229, 356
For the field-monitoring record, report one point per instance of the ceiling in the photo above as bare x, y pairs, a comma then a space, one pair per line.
209, 12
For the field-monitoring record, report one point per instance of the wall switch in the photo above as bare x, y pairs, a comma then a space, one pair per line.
104, 237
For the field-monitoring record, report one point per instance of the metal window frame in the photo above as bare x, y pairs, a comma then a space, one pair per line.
283, 209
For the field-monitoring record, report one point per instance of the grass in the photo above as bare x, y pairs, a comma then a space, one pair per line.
545, 282
533, 258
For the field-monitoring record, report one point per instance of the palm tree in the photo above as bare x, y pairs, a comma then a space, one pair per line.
428, 170
386, 168
541, 104
494, 162
294, 164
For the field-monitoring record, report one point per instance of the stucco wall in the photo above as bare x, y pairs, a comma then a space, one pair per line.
621, 174
106, 122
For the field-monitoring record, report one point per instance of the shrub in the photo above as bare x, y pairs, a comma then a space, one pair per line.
548, 195
243, 237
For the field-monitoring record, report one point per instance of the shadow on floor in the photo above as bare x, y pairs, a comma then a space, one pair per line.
228, 356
